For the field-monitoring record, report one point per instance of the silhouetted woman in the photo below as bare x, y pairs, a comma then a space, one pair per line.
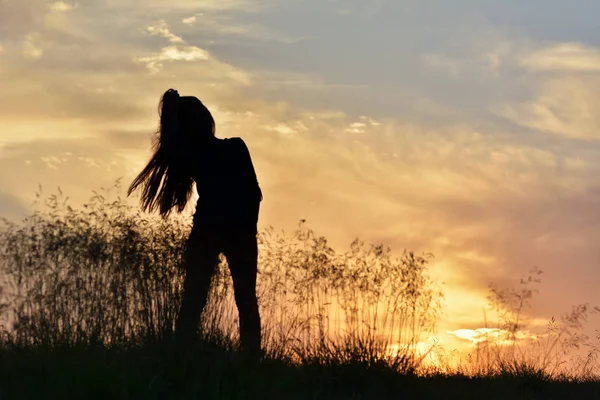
186, 151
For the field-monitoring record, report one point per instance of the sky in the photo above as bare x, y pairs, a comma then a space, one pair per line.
468, 129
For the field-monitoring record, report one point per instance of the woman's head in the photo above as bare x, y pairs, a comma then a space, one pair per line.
185, 126
193, 118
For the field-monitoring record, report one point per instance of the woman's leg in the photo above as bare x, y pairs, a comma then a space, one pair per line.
202, 256
242, 253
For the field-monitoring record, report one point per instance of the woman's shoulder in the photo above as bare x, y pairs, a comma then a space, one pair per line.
236, 142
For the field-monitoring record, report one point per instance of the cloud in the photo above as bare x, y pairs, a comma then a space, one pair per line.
224, 27
559, 86
32, 48
162, 29
283, 129
189, 20
563, 57
61, 6
493, 335
256, 32
361, 124
183, 5
562, 106
442, 62
182, 52
482, 60
155, 61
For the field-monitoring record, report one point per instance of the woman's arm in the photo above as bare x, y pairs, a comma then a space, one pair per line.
250, 193
248, 174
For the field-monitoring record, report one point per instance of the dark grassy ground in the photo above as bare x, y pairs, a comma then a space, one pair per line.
214, 372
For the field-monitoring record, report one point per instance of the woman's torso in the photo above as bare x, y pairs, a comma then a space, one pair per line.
227, 187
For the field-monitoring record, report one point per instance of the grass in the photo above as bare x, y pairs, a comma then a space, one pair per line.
88, 298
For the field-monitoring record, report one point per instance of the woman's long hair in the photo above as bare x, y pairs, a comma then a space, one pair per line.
166, 181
